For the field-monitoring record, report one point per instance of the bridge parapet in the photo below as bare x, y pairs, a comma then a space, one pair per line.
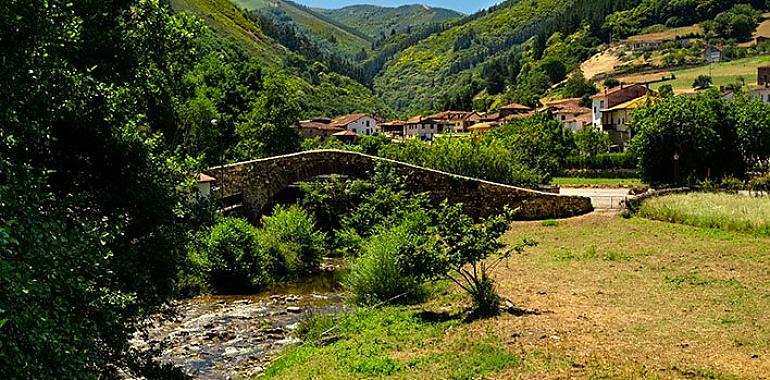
259, 181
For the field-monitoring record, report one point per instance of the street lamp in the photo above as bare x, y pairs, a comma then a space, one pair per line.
676, 167
215, 124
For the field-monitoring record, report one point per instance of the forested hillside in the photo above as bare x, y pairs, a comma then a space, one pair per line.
313, 81
349, 40
379, 22
446, 64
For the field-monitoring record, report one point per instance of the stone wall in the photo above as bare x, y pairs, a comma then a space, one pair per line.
261, 180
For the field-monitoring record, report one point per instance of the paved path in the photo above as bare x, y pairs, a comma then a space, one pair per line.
601, 199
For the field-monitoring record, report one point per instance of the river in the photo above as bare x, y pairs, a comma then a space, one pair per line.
231, 337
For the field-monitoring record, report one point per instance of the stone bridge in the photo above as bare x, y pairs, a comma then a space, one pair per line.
258, 182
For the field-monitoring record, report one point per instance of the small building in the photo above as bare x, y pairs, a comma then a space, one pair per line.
358, 123
421, 127
481, 129
318, 127
204, 185
612, 97
616, 121
713, 54
452, 121
347, 137
393, 128
569, 112
514, 109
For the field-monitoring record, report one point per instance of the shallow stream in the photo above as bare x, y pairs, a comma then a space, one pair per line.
230, 337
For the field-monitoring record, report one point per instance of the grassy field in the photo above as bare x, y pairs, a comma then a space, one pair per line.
722, 74
668, 34
723, 211
610, 298
596, 182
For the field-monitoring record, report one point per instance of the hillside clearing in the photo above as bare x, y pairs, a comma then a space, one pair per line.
722, 74
614, 298
601, 63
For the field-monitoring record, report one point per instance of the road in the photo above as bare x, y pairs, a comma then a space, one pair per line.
601, 199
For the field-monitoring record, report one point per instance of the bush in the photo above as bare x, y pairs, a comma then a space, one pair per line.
760, 184
605, 161
379, 276
732, 185
291, 243
233, 258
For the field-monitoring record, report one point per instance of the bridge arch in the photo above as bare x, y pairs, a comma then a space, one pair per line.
260, 181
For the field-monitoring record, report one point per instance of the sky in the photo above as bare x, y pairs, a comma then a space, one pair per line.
465, 6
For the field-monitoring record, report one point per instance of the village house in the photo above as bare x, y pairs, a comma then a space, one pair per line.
514, 109
713, 54
616, 120
317, 127
421, 127
393, 128
347, 137
570, 113
358, 123
451, 121
612, 97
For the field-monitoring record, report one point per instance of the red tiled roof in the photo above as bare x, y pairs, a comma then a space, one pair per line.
516, 107
307, 124
615, 90
343, 121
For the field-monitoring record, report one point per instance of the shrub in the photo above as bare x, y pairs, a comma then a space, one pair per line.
379, 274
291, 242
732, 185
233, 259
760, 184
605, 161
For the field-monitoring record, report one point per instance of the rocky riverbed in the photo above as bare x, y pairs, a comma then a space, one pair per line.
234, 337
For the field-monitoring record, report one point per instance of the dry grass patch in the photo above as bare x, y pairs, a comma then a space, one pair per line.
636, 298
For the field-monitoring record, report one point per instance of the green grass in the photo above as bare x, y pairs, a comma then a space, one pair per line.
607, 182
722, 211
723, 73
393, 343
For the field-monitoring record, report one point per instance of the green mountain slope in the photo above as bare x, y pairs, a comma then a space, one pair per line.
228, 21
447, 61
378, 21
348, 39
320, 91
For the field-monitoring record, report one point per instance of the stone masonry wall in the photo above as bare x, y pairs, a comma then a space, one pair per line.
261, 180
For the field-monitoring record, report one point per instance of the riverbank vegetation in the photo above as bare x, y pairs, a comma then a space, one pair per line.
729, 212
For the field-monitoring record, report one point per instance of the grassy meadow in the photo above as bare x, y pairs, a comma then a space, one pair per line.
723, 211
601, 297
722, 74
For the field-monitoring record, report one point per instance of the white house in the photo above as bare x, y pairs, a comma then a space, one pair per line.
424, 128
612, 97
358, 123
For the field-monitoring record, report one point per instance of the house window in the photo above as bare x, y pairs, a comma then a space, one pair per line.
367, 124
